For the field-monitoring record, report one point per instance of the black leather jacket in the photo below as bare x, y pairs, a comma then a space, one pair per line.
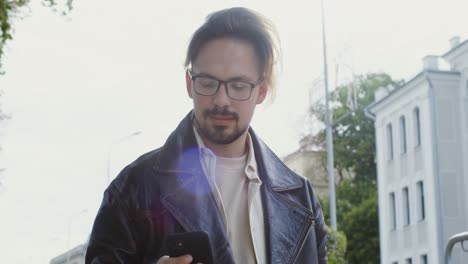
165, 192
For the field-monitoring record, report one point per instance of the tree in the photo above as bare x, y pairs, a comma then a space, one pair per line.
361, 223
336, 246
354, 152
10, 9
353, 132
358, 219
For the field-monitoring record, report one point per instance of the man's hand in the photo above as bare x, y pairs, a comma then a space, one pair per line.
185, 259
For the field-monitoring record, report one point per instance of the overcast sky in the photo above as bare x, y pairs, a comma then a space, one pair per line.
77, 87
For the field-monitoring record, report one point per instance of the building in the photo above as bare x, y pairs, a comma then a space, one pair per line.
75, 255
310, 164
422, 160
310, 161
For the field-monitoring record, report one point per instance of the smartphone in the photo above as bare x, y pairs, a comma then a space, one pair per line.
196, 244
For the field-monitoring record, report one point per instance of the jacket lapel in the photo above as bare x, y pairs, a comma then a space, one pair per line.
194, 207
186, 193
287, 223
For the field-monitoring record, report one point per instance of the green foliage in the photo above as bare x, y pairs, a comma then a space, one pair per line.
361, 225
357, 217
10, 9
353, 132
354, 151
7, 8
336, 246
349, 194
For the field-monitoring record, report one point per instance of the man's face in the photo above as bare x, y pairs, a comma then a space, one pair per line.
219, 118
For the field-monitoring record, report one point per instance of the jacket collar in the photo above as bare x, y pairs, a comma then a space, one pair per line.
180, 153
287, 223
275, 173
186, 193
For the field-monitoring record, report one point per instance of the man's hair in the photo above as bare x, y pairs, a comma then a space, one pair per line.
245, 24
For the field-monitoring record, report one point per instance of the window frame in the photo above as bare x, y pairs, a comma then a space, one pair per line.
417, 127
393, 213
390, 141
403, 138
423, 259
406, 206
421, 201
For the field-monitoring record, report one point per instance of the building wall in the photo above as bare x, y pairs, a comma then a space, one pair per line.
309, 164
458, 60
464, 110
450, 149
464, 125
405, 170
439, 162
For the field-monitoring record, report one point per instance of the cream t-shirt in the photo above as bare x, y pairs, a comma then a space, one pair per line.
236, 188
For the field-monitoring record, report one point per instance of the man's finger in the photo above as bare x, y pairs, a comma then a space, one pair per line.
185, 259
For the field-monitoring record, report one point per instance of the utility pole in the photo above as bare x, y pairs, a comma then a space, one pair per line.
331, 174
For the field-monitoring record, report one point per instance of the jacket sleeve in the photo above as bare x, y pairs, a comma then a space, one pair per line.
113, 237
320, 230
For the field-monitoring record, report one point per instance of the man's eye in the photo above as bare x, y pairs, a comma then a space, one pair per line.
239, 86
208, 83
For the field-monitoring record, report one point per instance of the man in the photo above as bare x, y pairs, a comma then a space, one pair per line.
214, 174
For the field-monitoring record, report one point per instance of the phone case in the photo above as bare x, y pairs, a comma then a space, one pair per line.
196, 244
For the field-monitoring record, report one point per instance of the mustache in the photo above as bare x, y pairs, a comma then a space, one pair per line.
217, 111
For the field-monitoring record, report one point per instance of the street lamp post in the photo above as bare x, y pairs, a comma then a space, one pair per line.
331, 174
69, 231
136, 133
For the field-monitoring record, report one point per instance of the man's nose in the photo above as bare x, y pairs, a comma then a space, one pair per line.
221, 97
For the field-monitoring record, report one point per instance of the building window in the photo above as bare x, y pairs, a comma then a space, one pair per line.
389, 142
417, 127
402, 135
406, 207
408, 261
421, 204
393, 218
423, 259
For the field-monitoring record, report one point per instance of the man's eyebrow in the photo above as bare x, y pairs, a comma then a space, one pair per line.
244, 78
203, 74
240, 78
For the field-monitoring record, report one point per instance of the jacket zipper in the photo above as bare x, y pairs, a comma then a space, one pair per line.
304, 240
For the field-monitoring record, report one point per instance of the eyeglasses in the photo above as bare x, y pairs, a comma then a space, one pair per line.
209, 86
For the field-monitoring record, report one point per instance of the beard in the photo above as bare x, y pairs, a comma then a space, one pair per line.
219, 134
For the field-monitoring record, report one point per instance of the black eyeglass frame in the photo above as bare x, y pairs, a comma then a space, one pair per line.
252, 85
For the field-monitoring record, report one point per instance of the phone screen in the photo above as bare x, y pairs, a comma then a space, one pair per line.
196, 244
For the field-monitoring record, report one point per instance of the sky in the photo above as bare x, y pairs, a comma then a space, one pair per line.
78, 88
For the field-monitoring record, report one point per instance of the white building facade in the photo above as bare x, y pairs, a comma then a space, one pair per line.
422, 161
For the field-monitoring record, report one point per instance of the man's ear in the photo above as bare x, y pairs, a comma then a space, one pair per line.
188, 83
262, 92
